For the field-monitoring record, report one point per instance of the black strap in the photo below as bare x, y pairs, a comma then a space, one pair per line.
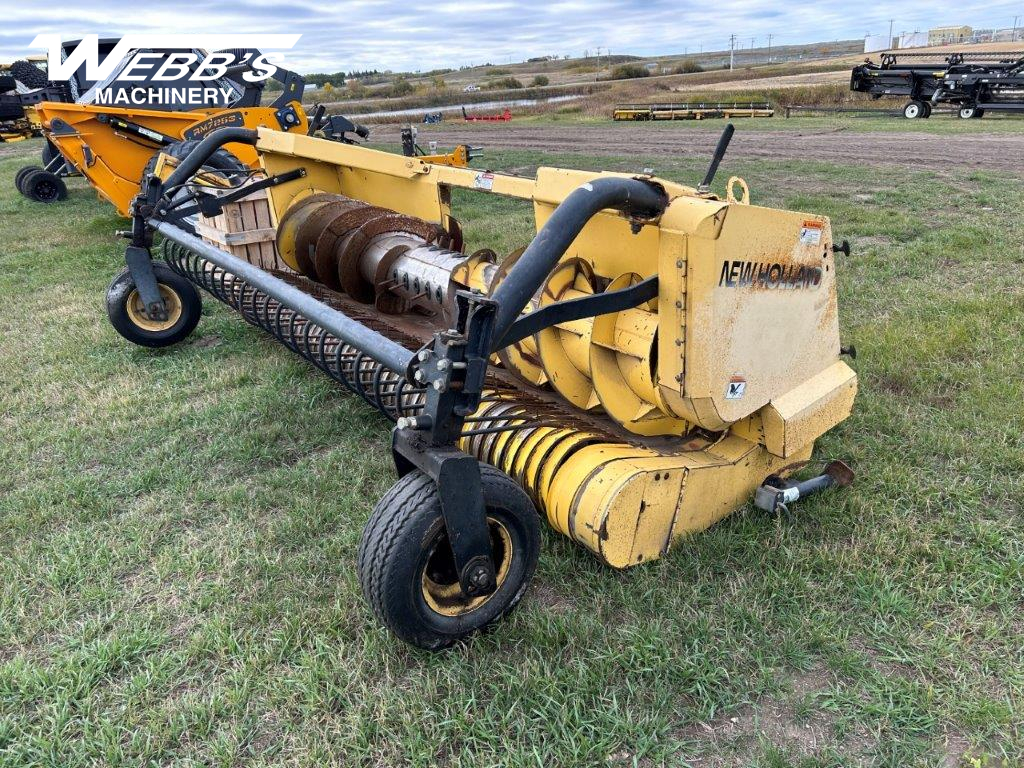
577, 309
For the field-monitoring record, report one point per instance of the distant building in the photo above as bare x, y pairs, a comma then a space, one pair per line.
651, 66
471, 88
913, 40
945, 35
877, 43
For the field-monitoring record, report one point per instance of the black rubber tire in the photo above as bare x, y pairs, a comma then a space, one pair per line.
120, 291
43, 187
927, 110
979, 113
28, 74
222, 161
913, 110
22, 173
406, 527
239, 54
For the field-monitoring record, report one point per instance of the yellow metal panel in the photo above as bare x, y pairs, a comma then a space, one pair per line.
803, 414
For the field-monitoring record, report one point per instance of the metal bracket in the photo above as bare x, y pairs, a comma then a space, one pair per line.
212, 205
287, 117
457, 476
140, 266
453, 368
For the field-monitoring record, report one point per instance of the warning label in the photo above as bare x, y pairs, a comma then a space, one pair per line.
484, 181
810, 232
736, 389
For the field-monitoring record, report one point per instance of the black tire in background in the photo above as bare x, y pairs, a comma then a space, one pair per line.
221, 161
126, 313
43, 186
22, 173
913, 110
28, 74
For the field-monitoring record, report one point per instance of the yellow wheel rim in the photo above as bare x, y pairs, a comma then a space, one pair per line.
137, 310
440, 583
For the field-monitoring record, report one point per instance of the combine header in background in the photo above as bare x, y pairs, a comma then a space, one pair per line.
972, 82
698, 111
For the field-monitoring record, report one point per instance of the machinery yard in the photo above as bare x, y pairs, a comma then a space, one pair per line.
942, 143
181, 527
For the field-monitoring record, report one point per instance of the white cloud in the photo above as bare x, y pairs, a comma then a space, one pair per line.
386, 34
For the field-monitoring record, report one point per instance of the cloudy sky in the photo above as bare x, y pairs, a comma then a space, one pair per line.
382, 34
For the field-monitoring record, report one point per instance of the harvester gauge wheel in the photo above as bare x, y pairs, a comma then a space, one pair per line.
914, 110
408, 573
21, 174
927, 109
128, 314
966, 113
43, 186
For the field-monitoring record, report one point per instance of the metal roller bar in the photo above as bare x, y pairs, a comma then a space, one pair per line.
392, 355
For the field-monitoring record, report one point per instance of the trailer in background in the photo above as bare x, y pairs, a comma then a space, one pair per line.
692, 111
983, 91
971, 82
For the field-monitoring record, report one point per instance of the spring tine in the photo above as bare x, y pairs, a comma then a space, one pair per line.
508, 427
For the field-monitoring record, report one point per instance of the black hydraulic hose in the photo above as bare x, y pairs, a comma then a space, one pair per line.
203, 151
631, 196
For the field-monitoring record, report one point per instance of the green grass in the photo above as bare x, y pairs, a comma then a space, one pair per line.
179, 530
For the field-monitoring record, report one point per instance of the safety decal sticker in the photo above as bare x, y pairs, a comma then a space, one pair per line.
736, 389
484, 181
810, 232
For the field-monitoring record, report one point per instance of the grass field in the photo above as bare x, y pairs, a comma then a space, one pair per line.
178, 533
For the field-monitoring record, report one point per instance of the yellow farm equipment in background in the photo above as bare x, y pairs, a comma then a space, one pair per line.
652, 360
114, 147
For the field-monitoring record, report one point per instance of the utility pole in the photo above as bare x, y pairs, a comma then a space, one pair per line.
752, 49
770, 48
732, 51
1013, 35
888, 43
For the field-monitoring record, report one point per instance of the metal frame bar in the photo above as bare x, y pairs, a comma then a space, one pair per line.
392, 355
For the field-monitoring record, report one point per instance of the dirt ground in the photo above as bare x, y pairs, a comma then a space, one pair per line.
783, 81
996, 151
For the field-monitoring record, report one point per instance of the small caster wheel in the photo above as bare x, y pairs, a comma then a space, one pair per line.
407, 570
19, 177
927, 109
971, 112
128, 314
43, 186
